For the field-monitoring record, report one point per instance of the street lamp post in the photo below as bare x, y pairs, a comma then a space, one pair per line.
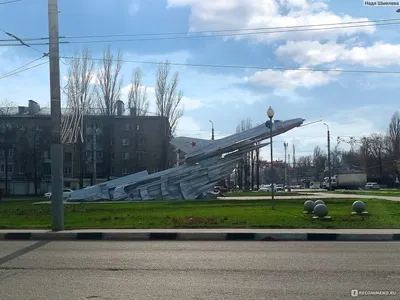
329, 157
212, 130
270, 114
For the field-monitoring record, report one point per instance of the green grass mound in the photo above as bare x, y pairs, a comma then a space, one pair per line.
200, 214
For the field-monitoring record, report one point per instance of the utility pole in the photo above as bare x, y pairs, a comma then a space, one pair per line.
289, 181
212, 130
57, 206
294, 164
329, 157
258, 168
285, 144
6, 153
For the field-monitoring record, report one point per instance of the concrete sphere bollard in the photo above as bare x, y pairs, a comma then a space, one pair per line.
321, 210
358, 206
309, 206
319, 202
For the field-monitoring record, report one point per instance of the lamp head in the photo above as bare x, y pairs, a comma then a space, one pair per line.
270, 112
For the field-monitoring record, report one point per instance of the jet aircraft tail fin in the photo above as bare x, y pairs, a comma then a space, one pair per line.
188, 144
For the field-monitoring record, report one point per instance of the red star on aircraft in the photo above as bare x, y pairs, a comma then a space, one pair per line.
193, 144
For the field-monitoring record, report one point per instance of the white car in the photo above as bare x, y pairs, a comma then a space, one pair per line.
267, 188
66, 194
372, 186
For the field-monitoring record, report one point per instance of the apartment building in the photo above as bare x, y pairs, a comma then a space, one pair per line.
123, 144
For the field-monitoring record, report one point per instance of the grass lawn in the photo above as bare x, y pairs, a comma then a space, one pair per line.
200, 214
256, 193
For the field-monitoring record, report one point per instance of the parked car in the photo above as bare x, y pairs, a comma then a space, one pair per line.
372, 186
267, 188
66, 194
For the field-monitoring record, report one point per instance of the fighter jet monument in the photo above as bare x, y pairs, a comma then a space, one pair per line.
206, 163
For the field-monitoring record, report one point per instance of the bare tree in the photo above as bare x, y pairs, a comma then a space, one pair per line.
6, 137
108, 90
107, 93
319, 162
79, 103
168, 98
137, 97
394, 140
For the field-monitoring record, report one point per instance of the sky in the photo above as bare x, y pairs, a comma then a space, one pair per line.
350, 103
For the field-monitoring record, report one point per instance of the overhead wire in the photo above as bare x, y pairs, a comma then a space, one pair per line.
17, 71
21, 42
242, 67
11, 1
205, 36
219, 31
23, 66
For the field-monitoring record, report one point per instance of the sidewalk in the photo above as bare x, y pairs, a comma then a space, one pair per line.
206, 235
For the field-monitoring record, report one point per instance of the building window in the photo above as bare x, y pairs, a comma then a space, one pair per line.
10, 169
137, 127
125, 142
68, 170
113, 155
1, 153
124, 170
46, 154
99, 154
127, 126
10, 152
21, 170
125, 156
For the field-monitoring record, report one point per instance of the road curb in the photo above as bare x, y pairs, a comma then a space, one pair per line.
193, 236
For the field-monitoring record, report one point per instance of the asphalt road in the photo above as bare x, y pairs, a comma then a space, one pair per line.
197, 270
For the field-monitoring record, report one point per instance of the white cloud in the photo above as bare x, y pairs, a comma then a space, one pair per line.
292, 79
312, 53
191, 104
309, 53
378, 55
134, 7
248, 14
94, 79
